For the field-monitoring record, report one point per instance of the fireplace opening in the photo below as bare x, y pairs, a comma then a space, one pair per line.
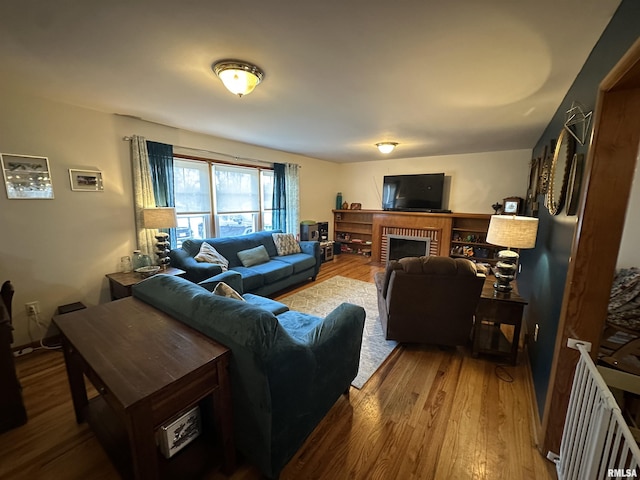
400, 246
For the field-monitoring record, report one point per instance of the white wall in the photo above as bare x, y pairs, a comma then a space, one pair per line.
473, 182
58, 251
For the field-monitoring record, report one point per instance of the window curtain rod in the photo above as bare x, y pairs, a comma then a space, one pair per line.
235, 157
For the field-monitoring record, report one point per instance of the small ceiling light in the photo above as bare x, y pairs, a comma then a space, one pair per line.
386, 147
239, 77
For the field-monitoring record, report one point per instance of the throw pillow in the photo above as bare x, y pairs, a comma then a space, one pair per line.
210, 255
286, 243
253, 256
225, 290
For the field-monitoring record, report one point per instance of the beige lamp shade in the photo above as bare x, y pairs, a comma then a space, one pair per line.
512, 231
160, 217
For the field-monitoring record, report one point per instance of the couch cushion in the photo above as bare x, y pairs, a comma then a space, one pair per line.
273, 271
286, 243
299, 261
298, 324
209, 254
253, 256
251, 279
225, 290
192, 247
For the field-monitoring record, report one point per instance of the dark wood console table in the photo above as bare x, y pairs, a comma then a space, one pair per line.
494, 310
147, 367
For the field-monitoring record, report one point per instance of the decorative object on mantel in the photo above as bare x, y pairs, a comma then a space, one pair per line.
563, 153
345, 206
161, 217
355, 206
578, 121
510, 231
239, 77
339, 201
26, 176
496, 207
86, 180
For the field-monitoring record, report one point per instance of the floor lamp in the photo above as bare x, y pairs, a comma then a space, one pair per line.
510, 231
161, 217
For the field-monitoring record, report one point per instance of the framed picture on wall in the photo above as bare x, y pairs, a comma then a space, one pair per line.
26, 176
86, 180
512, 205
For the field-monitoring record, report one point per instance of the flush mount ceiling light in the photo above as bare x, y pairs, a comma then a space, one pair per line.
239, 77
386, 147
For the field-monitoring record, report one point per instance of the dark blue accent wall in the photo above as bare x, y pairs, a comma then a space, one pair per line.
544, 269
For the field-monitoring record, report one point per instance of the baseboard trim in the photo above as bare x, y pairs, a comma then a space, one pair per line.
533, 402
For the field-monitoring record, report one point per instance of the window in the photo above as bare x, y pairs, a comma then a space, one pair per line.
241, 201
193, 199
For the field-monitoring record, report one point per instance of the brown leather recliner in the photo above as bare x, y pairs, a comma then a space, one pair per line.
429, 299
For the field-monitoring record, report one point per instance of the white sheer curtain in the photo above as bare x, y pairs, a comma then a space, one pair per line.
142, 192
292, 185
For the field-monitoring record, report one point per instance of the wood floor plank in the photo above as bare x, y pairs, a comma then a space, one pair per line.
427, 413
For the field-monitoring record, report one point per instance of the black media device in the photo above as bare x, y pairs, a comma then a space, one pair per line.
414, 193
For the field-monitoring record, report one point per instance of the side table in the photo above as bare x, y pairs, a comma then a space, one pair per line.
495, 309
120, 283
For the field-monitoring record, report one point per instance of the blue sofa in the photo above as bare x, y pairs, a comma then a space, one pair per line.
277, 274
287, 368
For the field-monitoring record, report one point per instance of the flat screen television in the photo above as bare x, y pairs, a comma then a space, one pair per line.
418, 193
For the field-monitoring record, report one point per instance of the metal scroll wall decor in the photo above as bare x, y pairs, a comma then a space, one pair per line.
578, 122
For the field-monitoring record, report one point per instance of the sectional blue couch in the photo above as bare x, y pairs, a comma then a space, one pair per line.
277, 274
287, 368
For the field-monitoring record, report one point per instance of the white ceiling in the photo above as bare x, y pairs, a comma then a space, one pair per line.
439, 77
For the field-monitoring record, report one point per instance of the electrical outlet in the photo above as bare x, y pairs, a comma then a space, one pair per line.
32, 308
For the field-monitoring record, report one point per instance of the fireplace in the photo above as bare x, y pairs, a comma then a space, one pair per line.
400, 246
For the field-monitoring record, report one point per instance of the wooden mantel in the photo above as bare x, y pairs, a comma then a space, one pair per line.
373, 225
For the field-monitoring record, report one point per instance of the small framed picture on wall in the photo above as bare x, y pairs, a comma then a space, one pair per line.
512, 205
86, 180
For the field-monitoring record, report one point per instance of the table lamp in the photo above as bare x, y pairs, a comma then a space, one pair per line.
161, 217
510, 231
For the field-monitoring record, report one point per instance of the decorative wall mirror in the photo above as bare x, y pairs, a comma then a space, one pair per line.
575, 182
559, 172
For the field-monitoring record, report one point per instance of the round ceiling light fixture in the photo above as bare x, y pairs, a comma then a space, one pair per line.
239, 77
386, 147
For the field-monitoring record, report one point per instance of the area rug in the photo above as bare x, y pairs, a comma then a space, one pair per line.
322, 298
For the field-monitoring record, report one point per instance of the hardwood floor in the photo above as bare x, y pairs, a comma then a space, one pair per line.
427, 413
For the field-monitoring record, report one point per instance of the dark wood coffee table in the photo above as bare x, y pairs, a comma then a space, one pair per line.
147, 367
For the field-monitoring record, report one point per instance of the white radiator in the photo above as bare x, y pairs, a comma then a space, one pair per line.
596, 441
